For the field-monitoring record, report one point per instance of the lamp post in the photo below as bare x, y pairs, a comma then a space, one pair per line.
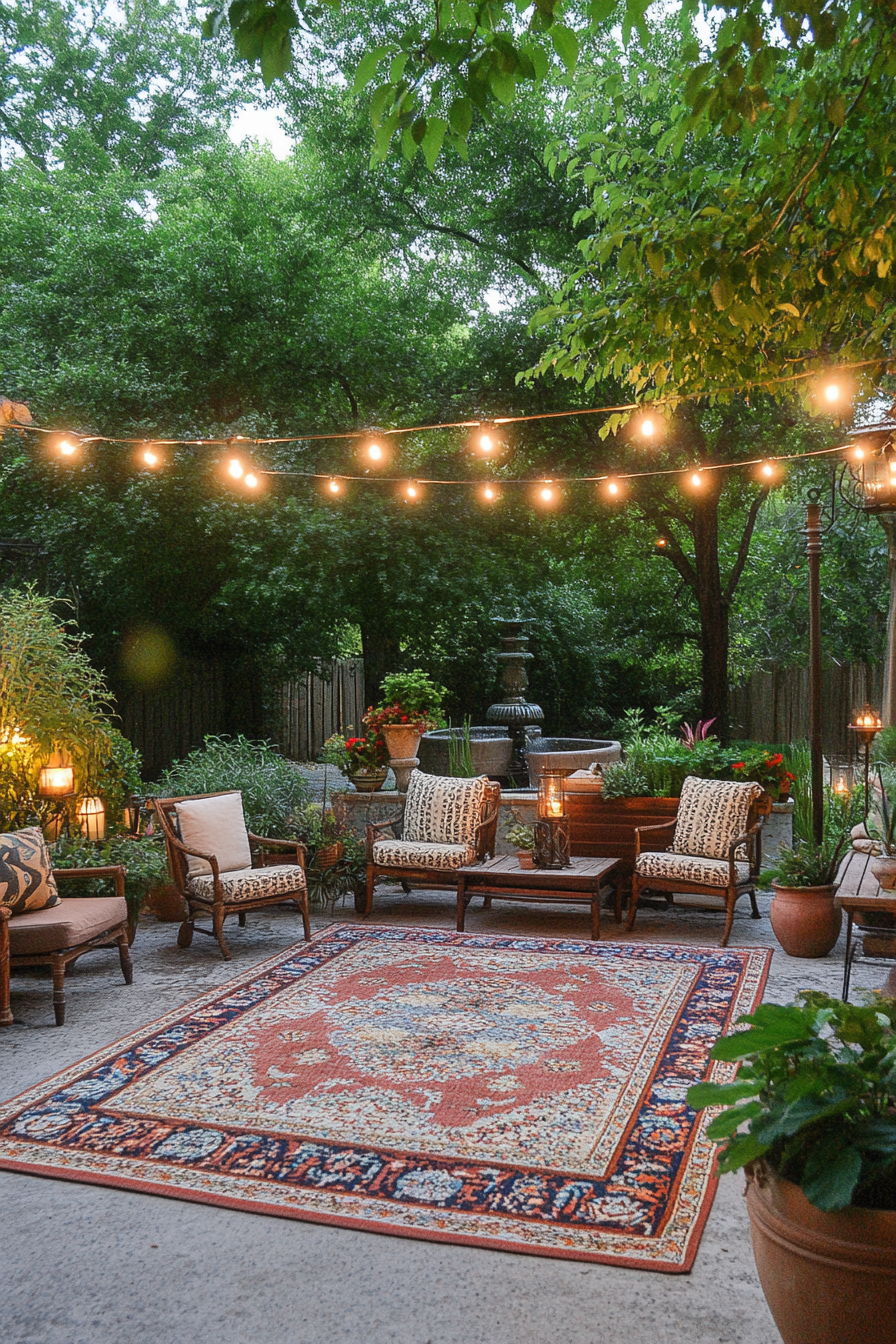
552, 823
866, 726
813, 553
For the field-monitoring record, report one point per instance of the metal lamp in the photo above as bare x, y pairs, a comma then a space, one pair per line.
866, 725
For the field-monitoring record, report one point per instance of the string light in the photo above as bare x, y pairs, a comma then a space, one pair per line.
486, 437
661, 541
858, 453
767, 470
614, 489
412, 492
333, 486
150, 457
235, 469
696, 479
251, 480
375, 452
489, 494
832, 392
546, 494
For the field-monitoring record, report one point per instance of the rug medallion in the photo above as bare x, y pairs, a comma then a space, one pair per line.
520, 1093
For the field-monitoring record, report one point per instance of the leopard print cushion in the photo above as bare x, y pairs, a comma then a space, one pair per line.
417, 854
711, 814
26, 873
686, 868
442, 811
250, 884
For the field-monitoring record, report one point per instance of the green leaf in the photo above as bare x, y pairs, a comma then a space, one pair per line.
719, 1094
829, 1179
431, 143
731, 1120
788, 308
502, 85
566, 45
367, 68
460, 117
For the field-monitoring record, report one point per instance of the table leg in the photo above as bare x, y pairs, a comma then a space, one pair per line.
461, 903
595, 912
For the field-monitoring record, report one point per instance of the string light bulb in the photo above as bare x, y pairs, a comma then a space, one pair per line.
546, 494
235, 469
489, 494
333, 486
858, 453
648, 428
767, 469
375, 452
832, 392
662, 541
412, 492
149, 457
696, 479
68, 445
250, 480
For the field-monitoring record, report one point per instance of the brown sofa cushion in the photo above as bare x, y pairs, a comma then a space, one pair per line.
73, 921
26, 877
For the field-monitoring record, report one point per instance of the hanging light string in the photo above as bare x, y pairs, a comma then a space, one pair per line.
658, 403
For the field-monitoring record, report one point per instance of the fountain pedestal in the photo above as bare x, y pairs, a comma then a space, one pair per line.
515, 712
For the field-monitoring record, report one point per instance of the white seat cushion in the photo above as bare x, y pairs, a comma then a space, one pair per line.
442, 811
250, 884
215, 826
686, 868
418, 854
712, 813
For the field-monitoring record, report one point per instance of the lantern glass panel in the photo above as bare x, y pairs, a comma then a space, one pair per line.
56, 781
92, 818
551, 799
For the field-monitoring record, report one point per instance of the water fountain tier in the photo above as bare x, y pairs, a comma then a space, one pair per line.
514, 711
569, 754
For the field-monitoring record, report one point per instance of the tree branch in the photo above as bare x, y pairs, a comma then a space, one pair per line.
672, 551
743, 549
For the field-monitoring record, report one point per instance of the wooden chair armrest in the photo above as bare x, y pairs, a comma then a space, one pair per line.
744, 840
373, 830
491, 815
293, 846
116, 871
642, 830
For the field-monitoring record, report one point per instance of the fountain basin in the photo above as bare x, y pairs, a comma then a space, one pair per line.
569, 753
491, 749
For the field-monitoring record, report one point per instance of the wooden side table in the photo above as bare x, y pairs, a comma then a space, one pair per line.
883, 903
503, 877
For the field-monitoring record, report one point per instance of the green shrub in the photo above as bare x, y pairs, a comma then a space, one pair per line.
143, 857
624, 779
274, 791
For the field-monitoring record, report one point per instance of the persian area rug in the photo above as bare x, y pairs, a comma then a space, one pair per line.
522, 1094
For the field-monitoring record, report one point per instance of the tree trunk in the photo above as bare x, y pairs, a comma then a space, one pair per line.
714, 612
381, 655
888, 707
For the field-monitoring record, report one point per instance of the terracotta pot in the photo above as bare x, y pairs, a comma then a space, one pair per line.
167, 904
884, 869
805, 919
828, 1278
368, 781
401, 740
525, 858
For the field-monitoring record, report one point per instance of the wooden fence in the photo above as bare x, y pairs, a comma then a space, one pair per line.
774, 706
208, 697
313, 708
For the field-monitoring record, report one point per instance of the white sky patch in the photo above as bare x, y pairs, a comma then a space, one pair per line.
261, 124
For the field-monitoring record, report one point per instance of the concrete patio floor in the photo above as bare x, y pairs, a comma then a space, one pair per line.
89, 1265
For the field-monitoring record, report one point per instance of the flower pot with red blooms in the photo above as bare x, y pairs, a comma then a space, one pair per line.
768, 769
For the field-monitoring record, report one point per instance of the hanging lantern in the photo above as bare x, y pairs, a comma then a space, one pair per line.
872, 458
57, 778
92, 818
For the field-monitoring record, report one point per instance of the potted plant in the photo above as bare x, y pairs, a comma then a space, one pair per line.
803, 913
523, 839
768, 769
410, 706
812, 1119
362, 759
144, 861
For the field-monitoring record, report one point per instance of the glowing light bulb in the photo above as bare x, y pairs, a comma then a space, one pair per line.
768, 469
547, 494
488, 493
858, 454
696, 479
251, 480
647, 427
333, 486
375, 453
832, 392
661, 541
67, 448
411, 491
893, 466
150, 458
235, 468
486, 442
612, 488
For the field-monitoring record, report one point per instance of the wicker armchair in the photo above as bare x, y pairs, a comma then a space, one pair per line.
445, 824
715, 850
219, 887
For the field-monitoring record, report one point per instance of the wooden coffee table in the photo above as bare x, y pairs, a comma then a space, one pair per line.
503, 877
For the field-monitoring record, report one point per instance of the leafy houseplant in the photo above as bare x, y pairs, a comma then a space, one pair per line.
523, 839
408, 698
812, 1118
143, 857
624, 779
766, 768
803, 914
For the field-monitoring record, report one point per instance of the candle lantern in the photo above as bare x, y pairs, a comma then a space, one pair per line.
865, 726
57, 778
92, 818
840, 775
552, 823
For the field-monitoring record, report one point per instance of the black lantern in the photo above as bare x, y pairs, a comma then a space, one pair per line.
552, 823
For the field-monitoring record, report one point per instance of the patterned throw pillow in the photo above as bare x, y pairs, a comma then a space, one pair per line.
711, 814
26, 874
442, 811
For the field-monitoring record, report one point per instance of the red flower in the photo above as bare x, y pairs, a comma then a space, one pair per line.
738, 766
774, 760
